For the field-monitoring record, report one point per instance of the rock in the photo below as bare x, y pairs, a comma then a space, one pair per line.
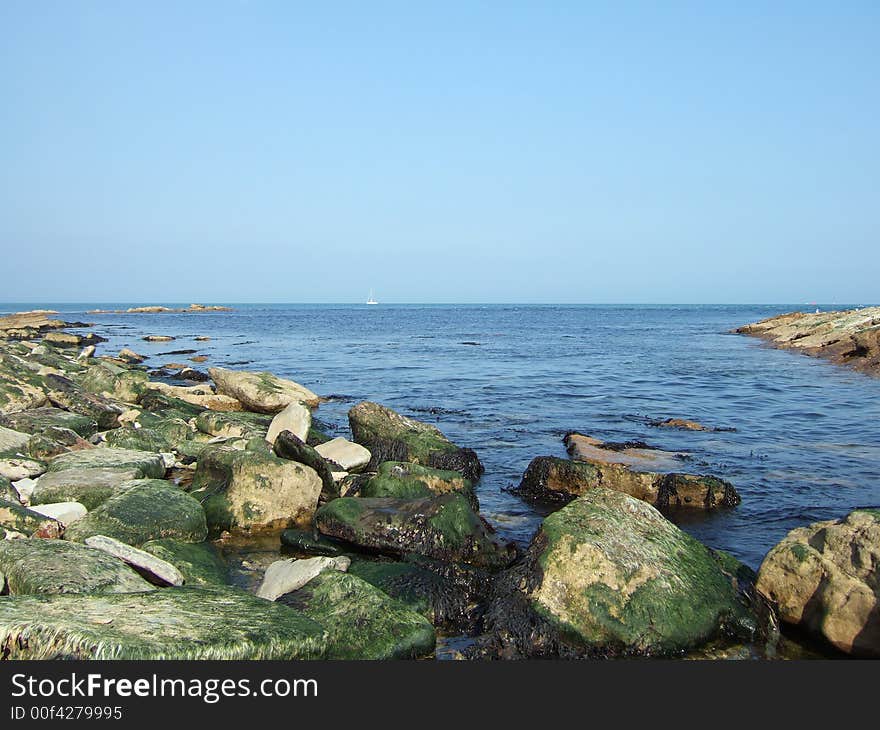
25, 488
8, 492
110, 381
54, 441
38, 420
350, 456
58, 566
86, 353
443, 527
303, 541
164, 435
151, 465
686, 425
825, 578
253, 489
289, 446
20, 385
228, 425
284, 576
158, 338
392, 437
202, 338
200, 563
261, 391
200, 395
18, 469
412, 481
183, 623
146, 564
16, 518
65, 512
634, 454
295, 418
89, 486
144, 510
850, 337
361, 621
130, 356
71, 340
64, 393
609, 575
13, 442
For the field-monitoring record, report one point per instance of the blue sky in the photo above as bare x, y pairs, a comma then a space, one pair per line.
440, 152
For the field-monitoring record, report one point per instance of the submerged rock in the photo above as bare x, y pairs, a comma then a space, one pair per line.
284, 576
309, 543
825, 578
443, 527
609, 575
143, 510
200, 563
173, 623
402, 480
261, 391
254, 489
392, 437
361, 621
288, 446
58, 566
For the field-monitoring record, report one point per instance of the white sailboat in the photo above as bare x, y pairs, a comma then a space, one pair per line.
371, 300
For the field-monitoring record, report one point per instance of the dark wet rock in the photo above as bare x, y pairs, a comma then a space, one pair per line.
38, 419
72, 339
825, 579
392, 437
57, 566
16, 518
608, 575
253, 489
403, 480
289, 446
64, 393
312, 543
444, 527
144, 510
200, 563
362, 622
174, 623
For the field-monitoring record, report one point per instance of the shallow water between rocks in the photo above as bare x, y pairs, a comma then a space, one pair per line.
511, 380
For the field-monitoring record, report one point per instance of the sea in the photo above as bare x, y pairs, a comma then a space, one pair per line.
511, 380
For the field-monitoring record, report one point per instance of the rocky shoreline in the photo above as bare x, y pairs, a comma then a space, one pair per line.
124, 498
850, 337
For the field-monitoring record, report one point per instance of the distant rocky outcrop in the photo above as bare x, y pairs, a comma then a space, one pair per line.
850, 337
158, 309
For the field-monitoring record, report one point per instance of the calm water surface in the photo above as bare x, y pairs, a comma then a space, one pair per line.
510, 381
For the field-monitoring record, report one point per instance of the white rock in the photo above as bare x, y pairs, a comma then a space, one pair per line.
65, 512
86, 353
13, 440
168, 458
17, 469
141, 560
295, 418
338, 476
284, 576
25, 488
349, 455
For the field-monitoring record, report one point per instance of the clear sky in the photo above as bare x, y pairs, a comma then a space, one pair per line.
440, 152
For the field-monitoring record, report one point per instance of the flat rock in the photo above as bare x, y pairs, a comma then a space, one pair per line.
38, 419
15, 469
284, 576
350, 456
151, 465
91, 486
174, 623
157, 570
261, 391
65, 512
638, 456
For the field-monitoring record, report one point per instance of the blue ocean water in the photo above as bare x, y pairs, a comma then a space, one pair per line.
511, 380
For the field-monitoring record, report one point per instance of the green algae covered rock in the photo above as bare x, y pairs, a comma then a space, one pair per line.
113, 381
144, 510
444, 527
53, 441
8, 493
64, 393
89, 486
150, 465
392, 437
609, 575
162, 435
262, 391
252, 489
16, 518
57, 566
229, 424
38, 419
411, 481
201, 563
362, 622
172, 623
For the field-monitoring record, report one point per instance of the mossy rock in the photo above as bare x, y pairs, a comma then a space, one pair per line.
151, 465
309, 543
166, 406
392, 437
200, 563
57, 566
362, 622
90, 487
39, 419
183, 623
7, 491
444, 527
402, 480
608, 575
114, 382
164, 435
16, 518
64, 393
53, 441
289, 446
144, 510
238, 424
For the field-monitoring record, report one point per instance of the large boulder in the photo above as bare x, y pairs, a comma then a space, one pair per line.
361, 621
261, 391
252, 489
144, 510
288, 445
58, 566
609, 575
54, 441
825, 578
392, 437
173, 623
444, 527
403, 480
